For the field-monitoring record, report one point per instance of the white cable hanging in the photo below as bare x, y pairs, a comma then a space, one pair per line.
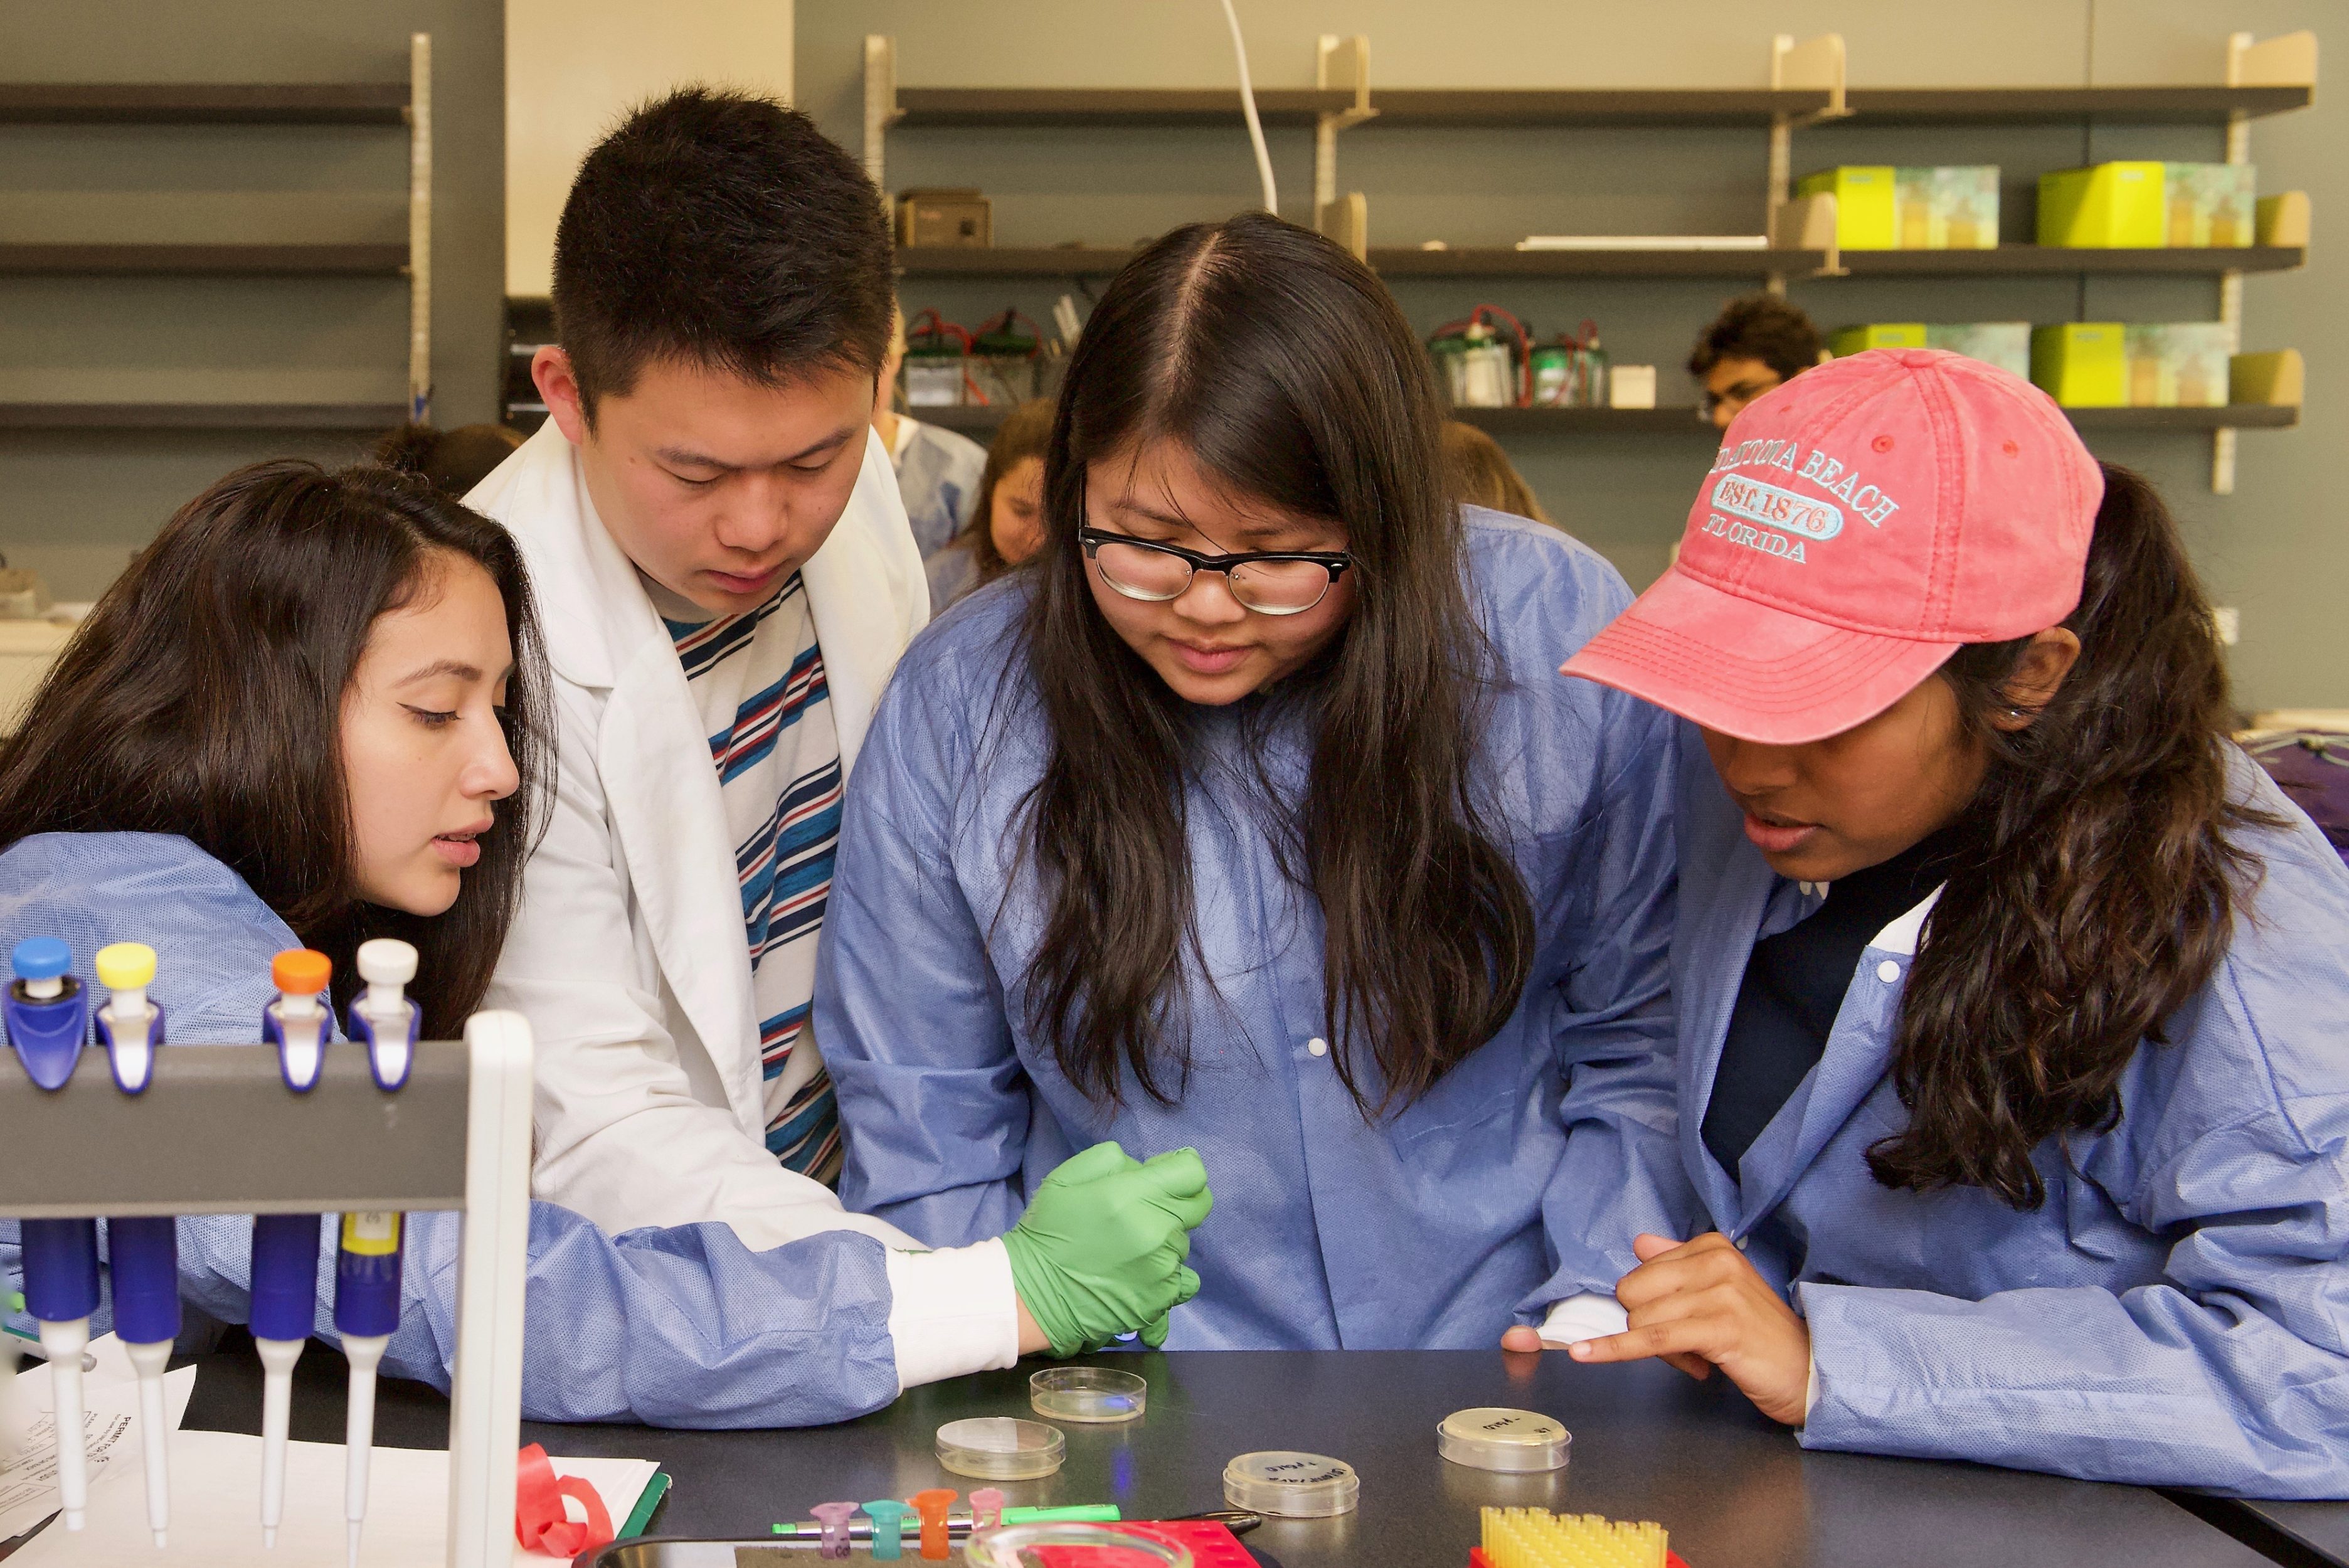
1247, 106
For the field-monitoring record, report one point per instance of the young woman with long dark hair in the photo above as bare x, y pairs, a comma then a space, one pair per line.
2012, 994
312, 713
1252, 816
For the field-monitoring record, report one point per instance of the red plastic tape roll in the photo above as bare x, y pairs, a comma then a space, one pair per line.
541, 1521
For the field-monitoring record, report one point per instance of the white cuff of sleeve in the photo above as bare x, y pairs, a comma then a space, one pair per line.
1587, 1315
1811, 1387
951, 1312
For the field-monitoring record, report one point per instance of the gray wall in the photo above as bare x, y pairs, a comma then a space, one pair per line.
75, 504
2273, 549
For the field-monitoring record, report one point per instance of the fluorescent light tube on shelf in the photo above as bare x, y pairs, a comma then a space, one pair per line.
1644, 243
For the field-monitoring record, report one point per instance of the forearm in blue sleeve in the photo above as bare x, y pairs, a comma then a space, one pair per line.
1620, 1172
2150, 1387
677, 1327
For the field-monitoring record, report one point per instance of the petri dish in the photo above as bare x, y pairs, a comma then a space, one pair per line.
1087, 1394
1000, 1447
1291, 1485
1494, 1438
1074, 1546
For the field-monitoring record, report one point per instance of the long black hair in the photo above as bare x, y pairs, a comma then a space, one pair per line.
2095, 879
203, 697
1287, 371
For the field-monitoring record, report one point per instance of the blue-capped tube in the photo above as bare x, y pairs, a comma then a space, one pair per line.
46, 1017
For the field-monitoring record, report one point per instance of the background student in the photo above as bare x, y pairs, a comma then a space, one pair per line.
1007, 523
712, 525
1252, 817
938, 470
2012, 993
1481, 474
1757, 343
311, 712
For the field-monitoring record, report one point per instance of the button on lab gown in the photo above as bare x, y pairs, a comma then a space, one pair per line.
2176, 1313
677, 1326
1423, 1227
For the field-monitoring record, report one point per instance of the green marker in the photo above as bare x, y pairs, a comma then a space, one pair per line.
958, 1524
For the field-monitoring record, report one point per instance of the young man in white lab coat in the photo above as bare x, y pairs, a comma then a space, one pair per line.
725, 574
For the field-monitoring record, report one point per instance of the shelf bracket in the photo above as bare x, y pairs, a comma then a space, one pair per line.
1815, 63
881, 110
1342, 64
2286, 61
420, 228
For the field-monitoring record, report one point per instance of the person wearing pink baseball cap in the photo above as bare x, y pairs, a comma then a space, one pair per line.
2010, 993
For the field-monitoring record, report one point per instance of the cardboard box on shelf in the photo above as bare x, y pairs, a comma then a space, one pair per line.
1631, 386
2105, 206
2005, 344
1864, 194
1950, 207
2179, 364
960, 219
2209, 203
1858, 340
2082, 364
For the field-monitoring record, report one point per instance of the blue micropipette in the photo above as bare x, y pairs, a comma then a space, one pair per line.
47, 1014
142, 1251
366, 1263
285, 1246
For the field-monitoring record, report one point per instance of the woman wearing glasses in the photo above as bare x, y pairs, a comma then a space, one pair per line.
1251, 816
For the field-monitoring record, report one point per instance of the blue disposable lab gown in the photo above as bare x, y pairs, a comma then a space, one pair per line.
677, 1327
938, 476
1425, 1227
2177, 1313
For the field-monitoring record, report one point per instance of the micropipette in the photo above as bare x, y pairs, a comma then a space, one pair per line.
143, 1250
366, 1265
285, 1246
47, 1014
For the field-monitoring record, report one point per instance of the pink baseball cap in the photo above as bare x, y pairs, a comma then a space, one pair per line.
1860, 524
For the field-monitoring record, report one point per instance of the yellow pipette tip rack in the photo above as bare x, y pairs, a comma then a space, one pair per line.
125, 966
1536, 1538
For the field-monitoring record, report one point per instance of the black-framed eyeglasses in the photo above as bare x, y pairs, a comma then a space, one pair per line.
1270, 583
1737, 397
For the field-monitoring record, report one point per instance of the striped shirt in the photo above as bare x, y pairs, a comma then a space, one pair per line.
757, 679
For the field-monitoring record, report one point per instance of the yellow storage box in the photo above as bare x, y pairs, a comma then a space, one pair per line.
2082, 364
1864, 194
1877, 335
2105, 206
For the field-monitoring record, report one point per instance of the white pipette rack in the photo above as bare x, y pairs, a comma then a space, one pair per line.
218, 1132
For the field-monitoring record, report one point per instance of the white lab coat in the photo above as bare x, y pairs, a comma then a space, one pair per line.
628, 955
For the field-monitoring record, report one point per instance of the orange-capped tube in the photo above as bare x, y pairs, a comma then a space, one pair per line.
932, 1506
301, 970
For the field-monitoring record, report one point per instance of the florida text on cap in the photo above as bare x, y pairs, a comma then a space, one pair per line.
1859, 525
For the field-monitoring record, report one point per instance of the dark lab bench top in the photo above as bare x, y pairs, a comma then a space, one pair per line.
2297, 1534
1732, 1488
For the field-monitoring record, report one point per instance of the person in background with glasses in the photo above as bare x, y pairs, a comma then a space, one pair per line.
1251, 817
1757, 343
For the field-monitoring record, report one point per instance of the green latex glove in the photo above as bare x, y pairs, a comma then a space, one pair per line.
1100, 1251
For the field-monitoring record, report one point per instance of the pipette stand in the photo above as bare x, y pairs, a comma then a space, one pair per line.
218, 1132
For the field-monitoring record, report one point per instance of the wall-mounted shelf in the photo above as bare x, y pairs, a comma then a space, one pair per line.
1099, 260
406, 104
200, 103
70, 398
1686, 421
2144, 106
1415, 107
1110, 106
149, 260
201, 415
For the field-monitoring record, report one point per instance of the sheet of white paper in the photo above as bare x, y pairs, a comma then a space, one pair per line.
111, 1438
217, 1510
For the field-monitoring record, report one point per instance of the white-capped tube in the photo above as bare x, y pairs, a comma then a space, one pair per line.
365, 1352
